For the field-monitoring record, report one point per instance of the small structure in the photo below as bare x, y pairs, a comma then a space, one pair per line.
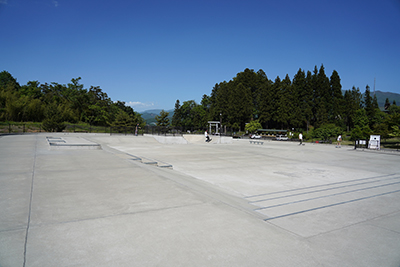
214, 123
374, 142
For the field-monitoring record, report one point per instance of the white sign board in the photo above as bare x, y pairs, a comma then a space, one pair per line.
374, 142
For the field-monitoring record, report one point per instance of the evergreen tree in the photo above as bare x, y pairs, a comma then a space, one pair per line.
285, 103
321, 89
337, 98
206, 106
176, 118
122, 121
375, 104
387, 104
274, 108
240, 106
265, 101
307, 100
162, 119
6, 79
302, 97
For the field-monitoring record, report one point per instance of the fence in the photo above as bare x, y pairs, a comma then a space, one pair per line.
21, 128
16, 128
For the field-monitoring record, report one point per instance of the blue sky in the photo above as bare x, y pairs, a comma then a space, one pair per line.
151, 53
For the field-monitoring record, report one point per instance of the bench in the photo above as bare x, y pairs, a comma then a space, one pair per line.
256, 142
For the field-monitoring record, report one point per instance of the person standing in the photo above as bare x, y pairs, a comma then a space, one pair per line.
301, 138
136, 130
339, 140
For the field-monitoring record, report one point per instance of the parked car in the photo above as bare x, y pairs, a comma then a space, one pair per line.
281, 137
255, 136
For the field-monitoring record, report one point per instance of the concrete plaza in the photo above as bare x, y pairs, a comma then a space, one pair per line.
101, 200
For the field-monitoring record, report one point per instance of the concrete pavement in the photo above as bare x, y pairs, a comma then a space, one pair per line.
218, 204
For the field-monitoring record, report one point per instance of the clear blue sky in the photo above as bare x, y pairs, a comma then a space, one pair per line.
150, 53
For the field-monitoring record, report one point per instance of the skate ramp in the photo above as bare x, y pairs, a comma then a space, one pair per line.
170, 139
195, 138
200, 139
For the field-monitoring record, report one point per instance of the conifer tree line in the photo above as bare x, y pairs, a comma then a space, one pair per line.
312, 100
53, 104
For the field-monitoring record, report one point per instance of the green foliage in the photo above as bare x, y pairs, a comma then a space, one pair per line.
395, 131
310, 99
382, 130
54, 119
360, 118
307, 100
123, 119
53, 104
190, 115
360, 133
326, 131
253, 126
162, 119
176, 118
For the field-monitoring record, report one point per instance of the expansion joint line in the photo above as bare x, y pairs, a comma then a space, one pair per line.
30, 202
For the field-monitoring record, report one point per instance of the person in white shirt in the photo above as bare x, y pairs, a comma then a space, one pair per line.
207, 137
339, 139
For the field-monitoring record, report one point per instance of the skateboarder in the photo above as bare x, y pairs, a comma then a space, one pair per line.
207, 136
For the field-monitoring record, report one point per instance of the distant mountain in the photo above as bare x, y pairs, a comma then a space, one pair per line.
381, 96
150, 115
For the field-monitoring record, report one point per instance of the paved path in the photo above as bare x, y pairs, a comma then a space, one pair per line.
276, 204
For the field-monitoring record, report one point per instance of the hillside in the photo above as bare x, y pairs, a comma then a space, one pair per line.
383, 95
150, 115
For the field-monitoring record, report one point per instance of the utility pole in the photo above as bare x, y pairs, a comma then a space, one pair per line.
374, 85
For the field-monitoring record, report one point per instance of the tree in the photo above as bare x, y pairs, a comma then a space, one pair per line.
240, 105
387, 104
265, 103
322, 98
54, 121
360, 133
361, 118
302, 110
253, 126
284, 107
162, 119
122, 121
32, 90
6, 79
395, 131
326, 131
275, 102
176, 118
369, 106
337, 98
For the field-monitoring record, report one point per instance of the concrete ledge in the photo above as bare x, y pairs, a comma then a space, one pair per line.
71, 143
74, 146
